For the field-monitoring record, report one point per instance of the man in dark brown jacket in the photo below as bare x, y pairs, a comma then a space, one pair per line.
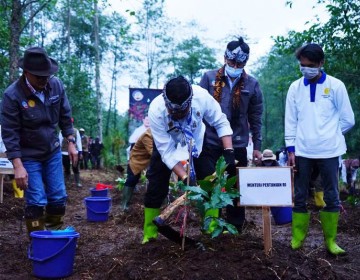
33, 108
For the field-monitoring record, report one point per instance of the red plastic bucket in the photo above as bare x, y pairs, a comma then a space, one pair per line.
52, 255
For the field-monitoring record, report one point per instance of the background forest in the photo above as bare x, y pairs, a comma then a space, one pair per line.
97, 50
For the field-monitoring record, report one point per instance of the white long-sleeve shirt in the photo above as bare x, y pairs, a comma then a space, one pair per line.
77, 139
316, 128
203, 106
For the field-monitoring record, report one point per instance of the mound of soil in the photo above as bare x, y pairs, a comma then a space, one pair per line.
113, 250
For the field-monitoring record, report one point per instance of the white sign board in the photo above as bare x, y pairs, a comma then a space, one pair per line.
265, 186
5, 163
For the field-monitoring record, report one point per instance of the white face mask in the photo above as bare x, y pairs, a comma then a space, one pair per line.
233, 72
309, 72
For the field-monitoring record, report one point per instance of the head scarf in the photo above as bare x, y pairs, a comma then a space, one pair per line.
173, 107
236, 54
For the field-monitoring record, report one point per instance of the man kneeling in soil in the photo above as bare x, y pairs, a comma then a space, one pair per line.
176, 120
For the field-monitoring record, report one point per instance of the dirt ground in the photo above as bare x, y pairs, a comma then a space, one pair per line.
113, 250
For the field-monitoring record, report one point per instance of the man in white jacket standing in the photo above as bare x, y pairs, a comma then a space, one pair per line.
318, 114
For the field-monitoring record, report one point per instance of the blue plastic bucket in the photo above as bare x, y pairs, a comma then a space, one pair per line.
282, 215
97, 208
52, 255
99, 193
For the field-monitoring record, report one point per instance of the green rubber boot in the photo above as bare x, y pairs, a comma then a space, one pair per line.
212, 225
329, 223
127, 194
150, 229
300, 226
319, 199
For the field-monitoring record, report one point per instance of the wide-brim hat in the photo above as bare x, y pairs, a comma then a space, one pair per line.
268, 155
37, 62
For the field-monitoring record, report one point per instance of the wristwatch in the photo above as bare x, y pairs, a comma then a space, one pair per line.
71, 140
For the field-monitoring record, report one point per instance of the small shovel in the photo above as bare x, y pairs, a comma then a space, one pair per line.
167, 231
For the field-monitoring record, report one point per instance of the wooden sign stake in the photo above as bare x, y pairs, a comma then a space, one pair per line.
267, 230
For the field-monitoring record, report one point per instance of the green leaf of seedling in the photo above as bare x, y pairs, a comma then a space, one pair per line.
230, 183
226, 199
216, 232
220, 167
207, 206
196, 190
206, 185
215, 201
231, 228
195, 197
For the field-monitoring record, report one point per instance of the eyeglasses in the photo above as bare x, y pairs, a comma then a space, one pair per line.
234, 64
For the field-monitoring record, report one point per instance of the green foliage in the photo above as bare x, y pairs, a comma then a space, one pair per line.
143, 177
148, 51
120, 183
282, 70
353, 200
191, 57
216, 192
114, 148
339, 37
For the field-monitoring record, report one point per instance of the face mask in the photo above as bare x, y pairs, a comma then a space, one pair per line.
233, 72
309, 72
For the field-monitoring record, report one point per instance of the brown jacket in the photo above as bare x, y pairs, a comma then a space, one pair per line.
141, 152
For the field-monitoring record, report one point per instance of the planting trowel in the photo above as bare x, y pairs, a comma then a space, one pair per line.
167, 231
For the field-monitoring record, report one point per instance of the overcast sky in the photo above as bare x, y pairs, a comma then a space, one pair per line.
258, 19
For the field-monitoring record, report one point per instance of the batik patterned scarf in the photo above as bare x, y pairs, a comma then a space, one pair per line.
220, 83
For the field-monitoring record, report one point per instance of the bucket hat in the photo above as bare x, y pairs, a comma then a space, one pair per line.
268, 155
37, 62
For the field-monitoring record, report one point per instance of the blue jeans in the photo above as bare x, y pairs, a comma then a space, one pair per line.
329, 170
46, 182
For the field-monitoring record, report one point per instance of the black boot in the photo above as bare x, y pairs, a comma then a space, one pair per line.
127, 193
235, 215
77, 180
54, 217
34, 218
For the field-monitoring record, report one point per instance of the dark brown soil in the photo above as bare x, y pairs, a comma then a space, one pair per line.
113, 250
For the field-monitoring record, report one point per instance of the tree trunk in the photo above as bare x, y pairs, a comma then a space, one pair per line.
68, 35
15, 32
97, 70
